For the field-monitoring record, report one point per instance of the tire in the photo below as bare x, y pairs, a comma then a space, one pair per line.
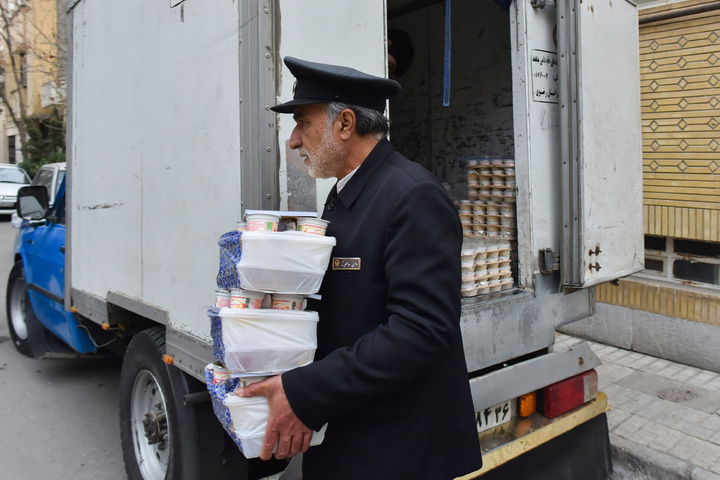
196, 445
24, 326
149, 430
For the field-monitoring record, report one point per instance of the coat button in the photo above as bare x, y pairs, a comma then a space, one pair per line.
330, 206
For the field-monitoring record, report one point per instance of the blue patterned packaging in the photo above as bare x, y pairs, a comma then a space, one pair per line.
230, 245
218, 392
216, 333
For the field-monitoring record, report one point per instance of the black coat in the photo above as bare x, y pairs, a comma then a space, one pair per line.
389, 375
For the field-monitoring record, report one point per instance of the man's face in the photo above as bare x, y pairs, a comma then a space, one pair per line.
315, 139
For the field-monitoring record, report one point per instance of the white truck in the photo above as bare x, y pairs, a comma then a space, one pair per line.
170, 140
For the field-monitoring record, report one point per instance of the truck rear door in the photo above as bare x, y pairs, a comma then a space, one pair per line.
601, 144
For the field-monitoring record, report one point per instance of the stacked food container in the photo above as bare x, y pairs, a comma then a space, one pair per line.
489, 223
486, 267
259, 325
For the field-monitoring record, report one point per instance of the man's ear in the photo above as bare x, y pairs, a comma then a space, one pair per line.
347, 123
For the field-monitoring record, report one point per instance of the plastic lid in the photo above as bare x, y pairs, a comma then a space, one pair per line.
233, 400
262, 215
288, 234
247, 293
311, 220
263, 313
295, 296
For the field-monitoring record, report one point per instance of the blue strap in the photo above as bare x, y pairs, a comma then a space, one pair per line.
448, 44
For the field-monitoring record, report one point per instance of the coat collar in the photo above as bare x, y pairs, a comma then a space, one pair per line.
357, 183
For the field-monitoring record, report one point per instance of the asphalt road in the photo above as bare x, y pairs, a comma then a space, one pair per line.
58, 418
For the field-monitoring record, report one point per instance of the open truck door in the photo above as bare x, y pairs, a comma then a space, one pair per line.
600, 140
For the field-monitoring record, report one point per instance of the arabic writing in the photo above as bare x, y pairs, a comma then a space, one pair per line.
545, 76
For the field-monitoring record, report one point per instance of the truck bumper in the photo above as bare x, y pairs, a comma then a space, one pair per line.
574, 445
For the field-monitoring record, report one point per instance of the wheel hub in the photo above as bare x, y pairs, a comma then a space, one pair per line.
151, 425
17, 308
155, 424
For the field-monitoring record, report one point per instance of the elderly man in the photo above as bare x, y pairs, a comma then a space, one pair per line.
389, 377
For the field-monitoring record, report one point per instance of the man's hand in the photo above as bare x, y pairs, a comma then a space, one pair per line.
283, 425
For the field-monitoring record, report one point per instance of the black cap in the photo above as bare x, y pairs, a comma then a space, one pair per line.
321, 83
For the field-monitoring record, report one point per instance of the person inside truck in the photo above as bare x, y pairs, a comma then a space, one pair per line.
389, 376
400, 52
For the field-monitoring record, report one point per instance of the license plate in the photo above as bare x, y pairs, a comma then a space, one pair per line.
496, 415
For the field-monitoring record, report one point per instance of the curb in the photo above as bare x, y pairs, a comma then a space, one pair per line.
643, 463
702, 474
646, 463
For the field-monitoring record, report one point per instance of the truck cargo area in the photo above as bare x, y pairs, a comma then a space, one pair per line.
456, 107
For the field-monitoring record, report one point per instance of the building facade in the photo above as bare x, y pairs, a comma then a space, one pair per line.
32, 59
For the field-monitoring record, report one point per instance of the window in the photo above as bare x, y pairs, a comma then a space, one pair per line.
23, 70
655, 264
654, 243
683, 260
44, 178
692, 247
11, 149
696, 271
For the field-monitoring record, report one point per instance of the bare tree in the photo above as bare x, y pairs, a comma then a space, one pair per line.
31, 47
12, 95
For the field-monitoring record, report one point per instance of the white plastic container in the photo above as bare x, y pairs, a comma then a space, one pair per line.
468, 278
220, 373
249, 422
284, 262
240, 298
262, 222
222, 298
468, 291
288, 301
267, 341
316, 226
249, 415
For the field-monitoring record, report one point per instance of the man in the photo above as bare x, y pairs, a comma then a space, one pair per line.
389, 375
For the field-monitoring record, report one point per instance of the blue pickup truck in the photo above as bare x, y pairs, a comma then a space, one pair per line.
39, 323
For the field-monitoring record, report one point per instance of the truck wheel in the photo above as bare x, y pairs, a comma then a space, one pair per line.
22, 323
148, 416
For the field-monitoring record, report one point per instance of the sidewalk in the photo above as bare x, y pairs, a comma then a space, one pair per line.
665, 417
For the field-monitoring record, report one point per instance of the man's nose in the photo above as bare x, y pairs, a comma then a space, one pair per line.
295, 141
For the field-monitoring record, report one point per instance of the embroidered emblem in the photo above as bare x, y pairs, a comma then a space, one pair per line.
346, 263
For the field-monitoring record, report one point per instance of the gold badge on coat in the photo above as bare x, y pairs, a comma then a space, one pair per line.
346, 263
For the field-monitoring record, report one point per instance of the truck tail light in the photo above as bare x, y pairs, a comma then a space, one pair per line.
528, 403
567, 394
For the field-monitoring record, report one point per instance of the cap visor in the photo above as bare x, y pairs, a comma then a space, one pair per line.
289, 107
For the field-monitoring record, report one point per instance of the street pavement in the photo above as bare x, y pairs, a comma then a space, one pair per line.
665, 417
